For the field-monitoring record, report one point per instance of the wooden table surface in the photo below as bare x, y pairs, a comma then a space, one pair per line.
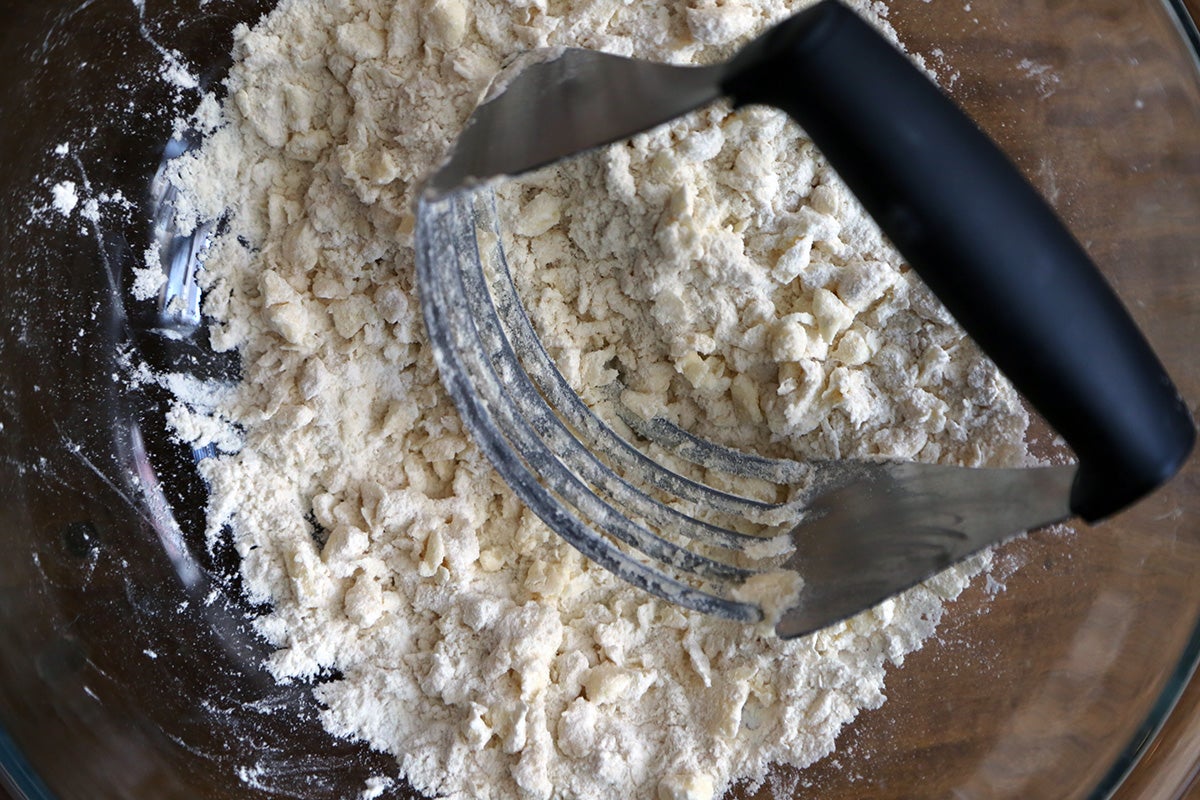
1173, 760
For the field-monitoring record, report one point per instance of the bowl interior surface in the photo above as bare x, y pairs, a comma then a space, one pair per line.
127, 664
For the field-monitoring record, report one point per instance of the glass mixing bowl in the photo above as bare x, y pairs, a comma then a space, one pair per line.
127, 665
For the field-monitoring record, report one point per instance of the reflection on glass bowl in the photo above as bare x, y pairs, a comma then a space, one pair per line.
127, 664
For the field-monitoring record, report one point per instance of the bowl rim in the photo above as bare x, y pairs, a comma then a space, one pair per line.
1184, 13
19, 779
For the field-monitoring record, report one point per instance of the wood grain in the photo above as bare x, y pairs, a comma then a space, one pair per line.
1027, 693
1170, 768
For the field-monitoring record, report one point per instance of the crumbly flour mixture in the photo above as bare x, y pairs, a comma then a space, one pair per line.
716, 266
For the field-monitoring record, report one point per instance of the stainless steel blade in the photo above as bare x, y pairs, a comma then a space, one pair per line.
894, 525
572, 102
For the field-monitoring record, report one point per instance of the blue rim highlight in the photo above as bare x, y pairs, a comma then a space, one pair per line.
17, 775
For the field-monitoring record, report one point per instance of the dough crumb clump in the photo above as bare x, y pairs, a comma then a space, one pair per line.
716, 266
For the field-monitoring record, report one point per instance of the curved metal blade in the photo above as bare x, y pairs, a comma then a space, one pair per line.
894, 525
576, 100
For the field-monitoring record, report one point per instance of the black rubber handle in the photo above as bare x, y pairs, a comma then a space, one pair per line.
984, 241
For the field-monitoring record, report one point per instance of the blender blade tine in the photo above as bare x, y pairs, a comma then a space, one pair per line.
597, 434
574, 454
493, 382
498, 379
447, 239
713, 456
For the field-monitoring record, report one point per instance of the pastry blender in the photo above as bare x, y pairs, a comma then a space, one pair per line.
958, 211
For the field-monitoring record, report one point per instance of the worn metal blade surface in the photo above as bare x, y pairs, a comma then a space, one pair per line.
572, 102
894, 525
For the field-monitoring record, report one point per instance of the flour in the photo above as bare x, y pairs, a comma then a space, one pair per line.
715, 266
65, 197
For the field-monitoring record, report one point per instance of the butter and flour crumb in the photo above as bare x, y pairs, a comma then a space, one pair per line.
716, 266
